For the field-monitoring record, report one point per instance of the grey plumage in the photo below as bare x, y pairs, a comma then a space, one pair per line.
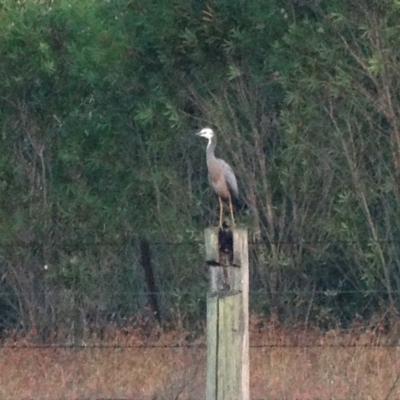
221, 176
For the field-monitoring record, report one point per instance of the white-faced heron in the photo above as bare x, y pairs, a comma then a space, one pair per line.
220, 174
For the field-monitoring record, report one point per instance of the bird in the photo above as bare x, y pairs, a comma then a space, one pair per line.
220, 174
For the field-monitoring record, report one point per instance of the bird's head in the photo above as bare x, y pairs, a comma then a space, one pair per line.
206, 133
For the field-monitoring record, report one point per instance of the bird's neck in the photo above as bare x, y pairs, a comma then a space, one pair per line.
211, 147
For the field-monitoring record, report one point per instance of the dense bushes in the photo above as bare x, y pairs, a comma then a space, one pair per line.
99, 102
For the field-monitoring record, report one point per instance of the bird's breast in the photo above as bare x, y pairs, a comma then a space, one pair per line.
219, 186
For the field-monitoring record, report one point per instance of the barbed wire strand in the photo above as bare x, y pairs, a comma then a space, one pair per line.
330, 241
197, 346
329, 292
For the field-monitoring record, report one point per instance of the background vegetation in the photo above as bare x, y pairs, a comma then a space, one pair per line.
99, 100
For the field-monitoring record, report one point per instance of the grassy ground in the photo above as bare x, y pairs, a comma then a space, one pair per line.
302, 364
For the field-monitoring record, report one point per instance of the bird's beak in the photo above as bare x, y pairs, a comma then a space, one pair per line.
198, 133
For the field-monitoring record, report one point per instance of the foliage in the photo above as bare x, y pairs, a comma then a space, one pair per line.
98, 103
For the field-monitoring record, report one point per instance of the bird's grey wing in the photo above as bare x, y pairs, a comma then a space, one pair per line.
231, 179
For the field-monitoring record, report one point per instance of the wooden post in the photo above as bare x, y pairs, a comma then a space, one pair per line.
227, 315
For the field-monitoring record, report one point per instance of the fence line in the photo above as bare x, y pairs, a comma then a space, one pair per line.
178, 292
197, 346
200, 242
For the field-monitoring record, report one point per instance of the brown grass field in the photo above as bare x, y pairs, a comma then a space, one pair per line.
303, 364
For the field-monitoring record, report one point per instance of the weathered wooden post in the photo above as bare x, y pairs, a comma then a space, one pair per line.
227, 315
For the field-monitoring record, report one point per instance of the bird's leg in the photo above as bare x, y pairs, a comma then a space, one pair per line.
231, 208
221, 209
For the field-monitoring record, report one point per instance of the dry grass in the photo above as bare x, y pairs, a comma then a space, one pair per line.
301, 364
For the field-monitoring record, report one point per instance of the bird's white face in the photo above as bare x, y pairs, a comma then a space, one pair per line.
206, 133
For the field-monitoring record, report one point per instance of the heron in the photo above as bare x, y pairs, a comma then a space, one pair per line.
220, 174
